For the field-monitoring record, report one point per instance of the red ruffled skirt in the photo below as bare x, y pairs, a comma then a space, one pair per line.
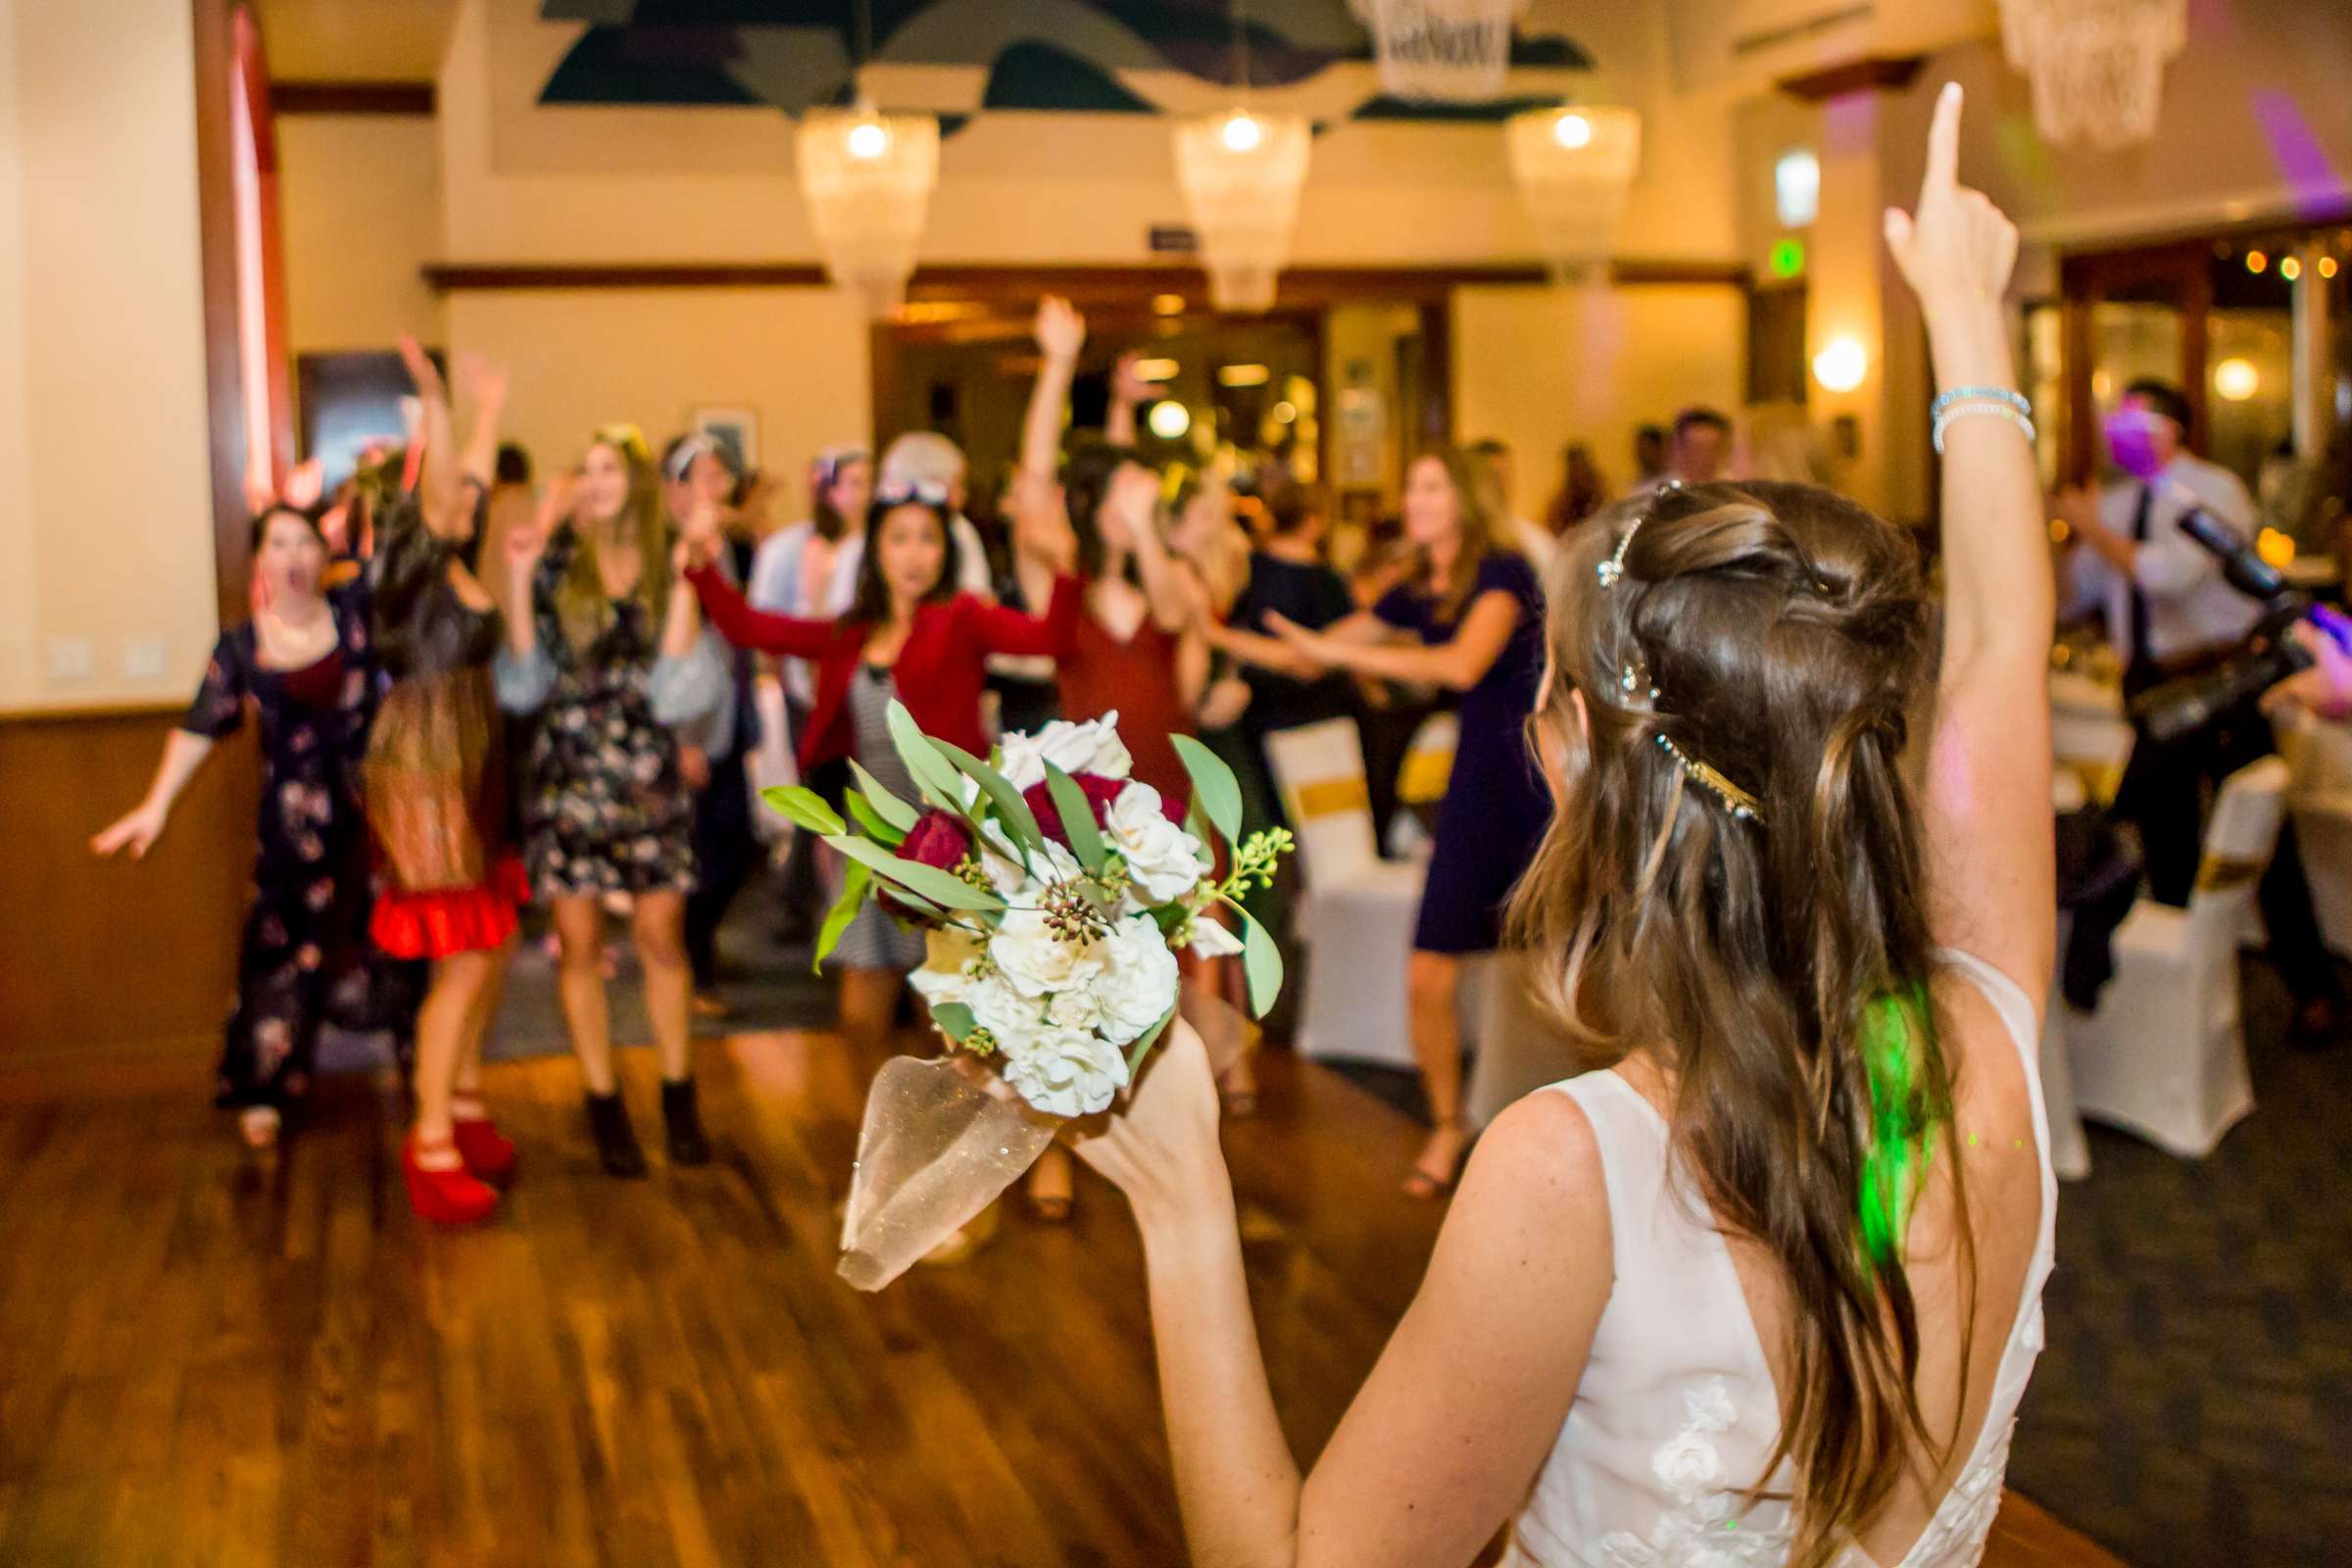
447, 920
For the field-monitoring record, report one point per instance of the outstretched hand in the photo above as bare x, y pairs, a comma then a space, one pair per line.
136, 831
1955, 247
2325, 689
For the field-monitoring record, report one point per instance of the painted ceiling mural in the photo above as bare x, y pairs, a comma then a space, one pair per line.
1084, 56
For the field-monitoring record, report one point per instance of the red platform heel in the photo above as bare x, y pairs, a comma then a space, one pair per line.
445, 1197
488, 1152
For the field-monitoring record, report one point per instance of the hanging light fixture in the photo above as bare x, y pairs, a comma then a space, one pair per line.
1575, 171
867, 178
1440, 51
2096, 66
1241, 172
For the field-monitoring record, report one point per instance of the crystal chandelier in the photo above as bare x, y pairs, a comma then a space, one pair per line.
1241, 172
2096, 66
1574, 169
1449, 51
867, 178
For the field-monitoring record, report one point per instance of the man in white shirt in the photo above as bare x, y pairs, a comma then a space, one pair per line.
2169, 611
2166, 604
1523, 534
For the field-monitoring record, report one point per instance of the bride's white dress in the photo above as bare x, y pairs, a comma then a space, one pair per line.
1676, 1413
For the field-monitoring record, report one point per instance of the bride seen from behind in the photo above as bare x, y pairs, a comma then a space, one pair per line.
1768, 1290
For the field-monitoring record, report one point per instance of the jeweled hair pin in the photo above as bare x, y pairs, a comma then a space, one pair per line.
1736, 799
1611, 571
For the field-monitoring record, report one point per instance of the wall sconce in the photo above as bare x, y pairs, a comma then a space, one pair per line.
1842, 364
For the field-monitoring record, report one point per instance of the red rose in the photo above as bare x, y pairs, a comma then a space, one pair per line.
1099, 793
938, 838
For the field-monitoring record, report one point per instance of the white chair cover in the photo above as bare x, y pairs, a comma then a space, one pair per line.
2319, 754
1520, 1046
1358, 916
2165, 1054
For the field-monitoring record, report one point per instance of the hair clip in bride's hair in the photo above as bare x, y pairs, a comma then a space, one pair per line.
1611, 571
1629, 681
1736, 799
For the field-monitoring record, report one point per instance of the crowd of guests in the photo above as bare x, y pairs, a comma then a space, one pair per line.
475, 696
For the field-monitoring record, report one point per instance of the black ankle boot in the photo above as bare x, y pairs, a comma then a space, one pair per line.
615, 1141
683, 1120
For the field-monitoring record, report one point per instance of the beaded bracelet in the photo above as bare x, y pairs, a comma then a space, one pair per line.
1981, 394
1962, 411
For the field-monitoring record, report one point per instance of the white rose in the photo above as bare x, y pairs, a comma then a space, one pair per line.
1035, 962
1163, 860
1137, 985
1093, 747
1003, 1011
1076, 1008
1066, 1072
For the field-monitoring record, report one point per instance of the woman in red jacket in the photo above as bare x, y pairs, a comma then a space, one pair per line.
909, 635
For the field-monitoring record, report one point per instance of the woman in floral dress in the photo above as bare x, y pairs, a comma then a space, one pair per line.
305, 663
608, 655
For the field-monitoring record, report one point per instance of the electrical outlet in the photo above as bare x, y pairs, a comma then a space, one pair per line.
69, 658
144, 659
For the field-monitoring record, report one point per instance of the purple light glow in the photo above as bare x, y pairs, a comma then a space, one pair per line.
2316, 189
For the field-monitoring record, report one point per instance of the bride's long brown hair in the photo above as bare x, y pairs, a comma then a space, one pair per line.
1780, 962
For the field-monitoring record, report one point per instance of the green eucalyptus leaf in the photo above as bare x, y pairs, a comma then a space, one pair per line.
874, 824
805, 809
897, 813
943, 888
931, 772
1214, 787
1012, 812
1261, 962
844, 911
1077, 817
954, 1021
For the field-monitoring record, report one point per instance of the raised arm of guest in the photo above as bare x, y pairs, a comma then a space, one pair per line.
184, 752
763, 631
1988, 794
445, 503
1061, 334
1175, 597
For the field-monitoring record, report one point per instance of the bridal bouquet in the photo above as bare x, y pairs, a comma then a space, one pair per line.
1055, 893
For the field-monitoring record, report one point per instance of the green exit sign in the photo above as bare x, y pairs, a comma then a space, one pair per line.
1788, 258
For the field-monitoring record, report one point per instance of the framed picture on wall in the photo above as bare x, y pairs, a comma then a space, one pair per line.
735, 428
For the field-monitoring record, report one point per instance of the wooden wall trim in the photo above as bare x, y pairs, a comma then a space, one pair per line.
1301, 285
301, 96
217, 240
1869, 73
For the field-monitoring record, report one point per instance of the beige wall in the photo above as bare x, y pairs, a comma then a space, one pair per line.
106, 498
360, 207
796, 356
1540, 367
397, 41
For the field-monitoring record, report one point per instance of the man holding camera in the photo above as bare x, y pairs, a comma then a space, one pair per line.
2168, 613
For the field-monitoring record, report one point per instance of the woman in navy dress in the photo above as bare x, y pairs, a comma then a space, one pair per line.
1468, 617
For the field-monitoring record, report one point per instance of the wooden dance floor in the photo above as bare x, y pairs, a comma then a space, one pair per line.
209, 1360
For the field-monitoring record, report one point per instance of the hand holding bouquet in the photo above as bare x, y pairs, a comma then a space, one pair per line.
1057, 893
